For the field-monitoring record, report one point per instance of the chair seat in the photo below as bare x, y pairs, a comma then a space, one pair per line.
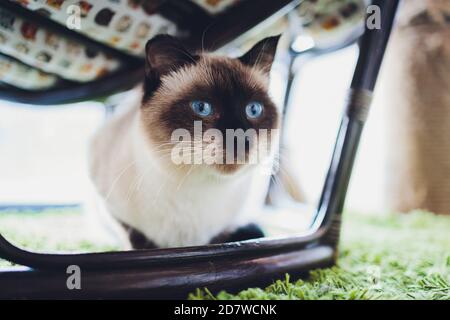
71, 50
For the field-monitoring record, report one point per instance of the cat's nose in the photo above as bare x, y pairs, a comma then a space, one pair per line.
232, 122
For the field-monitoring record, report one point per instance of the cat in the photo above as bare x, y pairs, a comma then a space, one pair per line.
158, 203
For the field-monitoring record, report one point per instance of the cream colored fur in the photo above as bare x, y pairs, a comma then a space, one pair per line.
170, 208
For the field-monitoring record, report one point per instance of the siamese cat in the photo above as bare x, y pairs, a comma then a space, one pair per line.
159, 202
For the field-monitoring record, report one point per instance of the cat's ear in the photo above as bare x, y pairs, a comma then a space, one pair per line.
164, 54
262, 54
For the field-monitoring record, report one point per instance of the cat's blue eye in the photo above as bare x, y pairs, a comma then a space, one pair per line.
254, 110
202, 108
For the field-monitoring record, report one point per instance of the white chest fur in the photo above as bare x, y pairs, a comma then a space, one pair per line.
170, 210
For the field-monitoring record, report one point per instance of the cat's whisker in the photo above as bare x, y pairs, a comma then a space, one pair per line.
185, 53
139, 184
117, 178
184, 178
256, 63
204, 35
158, 193
132, 186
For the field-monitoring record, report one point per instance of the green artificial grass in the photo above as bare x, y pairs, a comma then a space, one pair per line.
381, 256
52, 230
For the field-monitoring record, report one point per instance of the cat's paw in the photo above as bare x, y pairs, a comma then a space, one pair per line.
250, 231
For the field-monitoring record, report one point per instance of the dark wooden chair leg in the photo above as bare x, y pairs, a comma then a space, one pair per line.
372, 48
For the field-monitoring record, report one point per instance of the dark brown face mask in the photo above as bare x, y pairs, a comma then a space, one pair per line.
222, 93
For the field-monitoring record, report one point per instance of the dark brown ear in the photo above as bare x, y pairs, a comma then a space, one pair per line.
262, 54
164, 54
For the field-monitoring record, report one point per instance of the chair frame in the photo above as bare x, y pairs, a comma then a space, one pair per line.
172, 273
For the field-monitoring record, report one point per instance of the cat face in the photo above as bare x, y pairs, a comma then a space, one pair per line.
208, 110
